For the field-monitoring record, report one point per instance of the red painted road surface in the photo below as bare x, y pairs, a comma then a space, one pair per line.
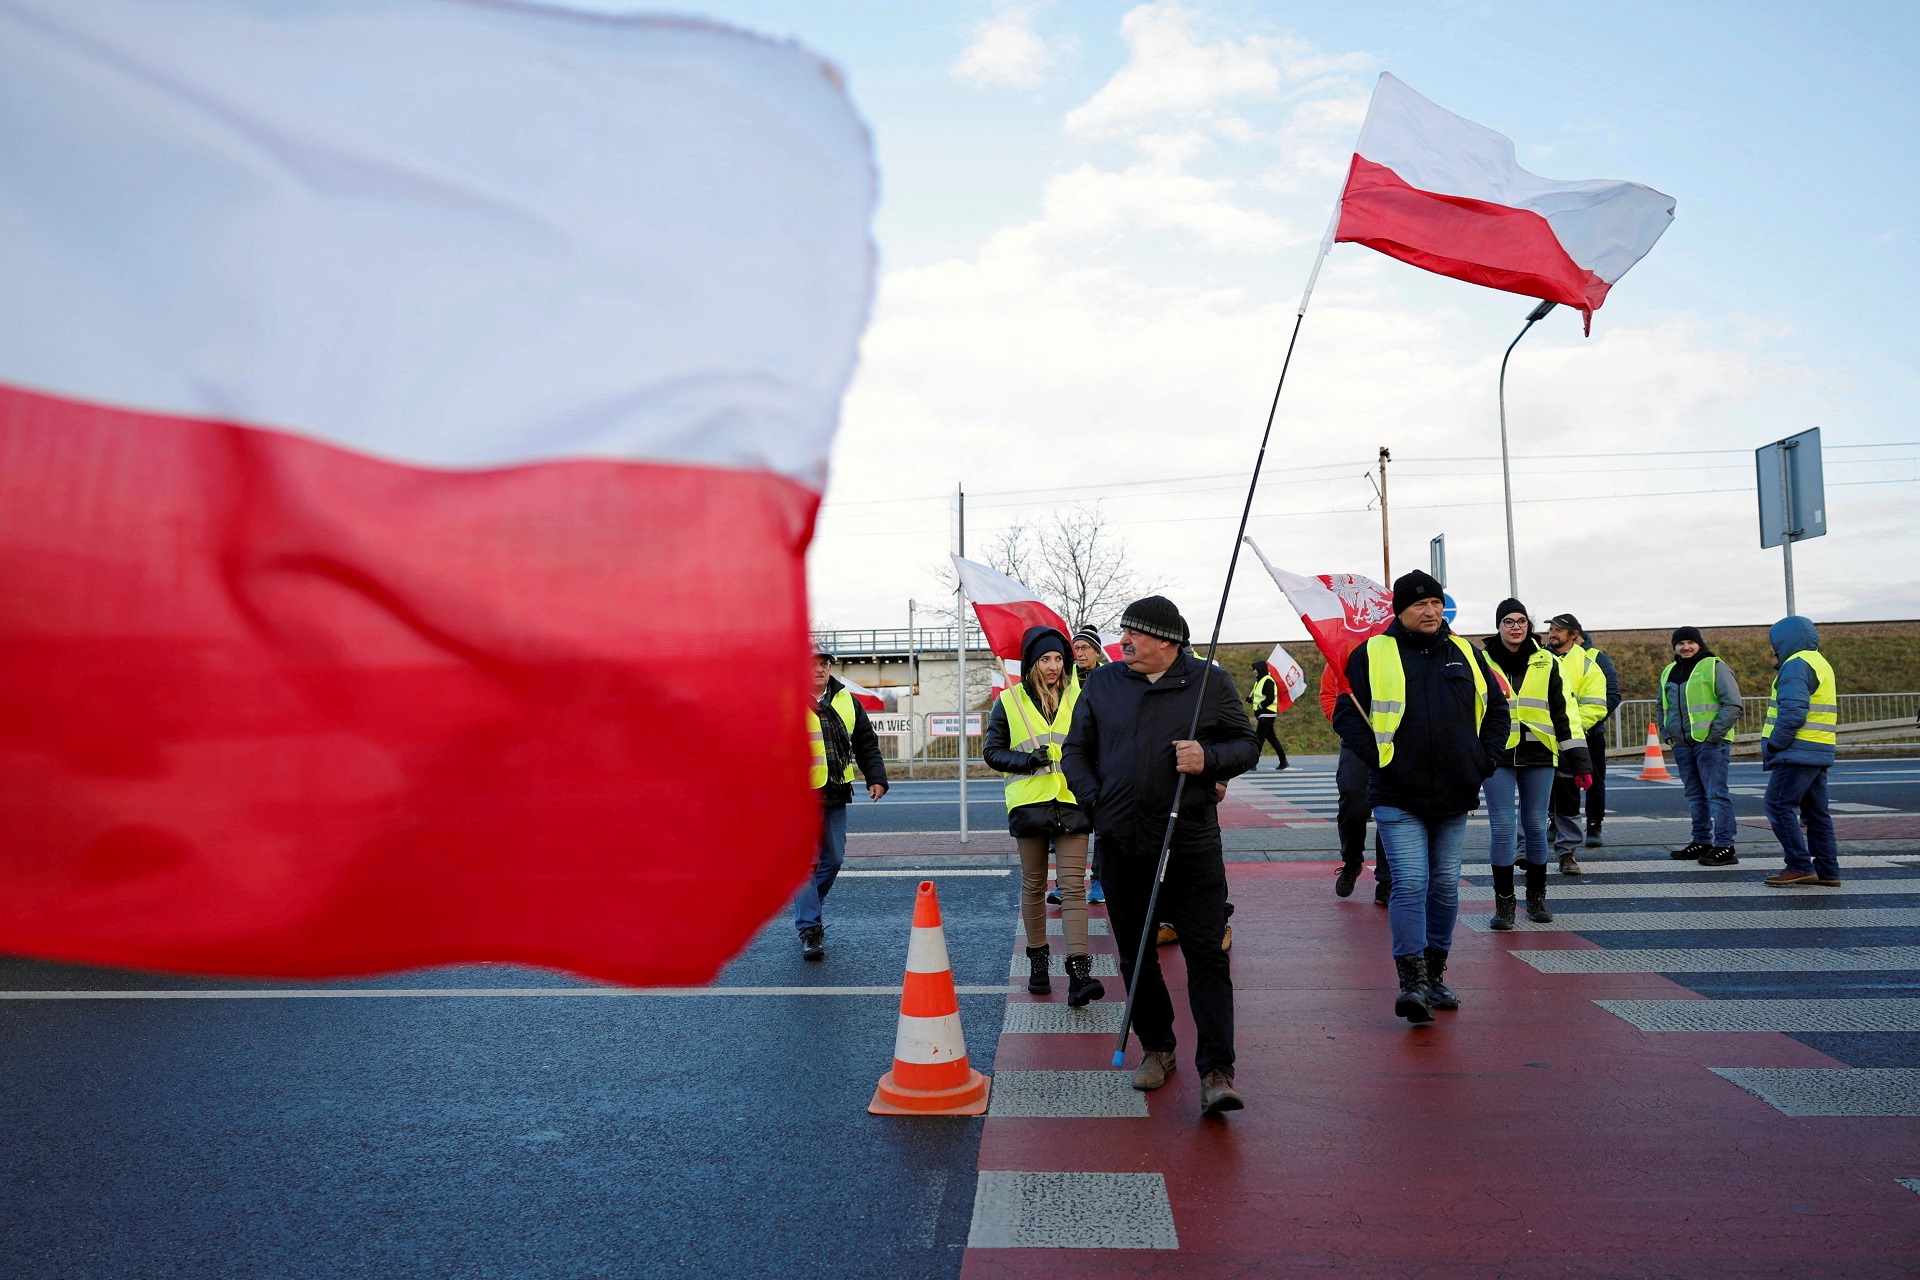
1530, 1134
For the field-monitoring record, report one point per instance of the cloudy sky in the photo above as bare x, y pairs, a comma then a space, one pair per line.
1097, 219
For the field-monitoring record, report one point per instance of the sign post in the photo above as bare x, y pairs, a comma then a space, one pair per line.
1437, 558
960, 645
1793, 502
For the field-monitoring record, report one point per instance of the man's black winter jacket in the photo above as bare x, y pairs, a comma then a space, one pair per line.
1119, 756
864, 742
1439, 761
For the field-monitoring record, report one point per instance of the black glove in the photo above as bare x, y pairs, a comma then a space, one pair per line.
1038, 761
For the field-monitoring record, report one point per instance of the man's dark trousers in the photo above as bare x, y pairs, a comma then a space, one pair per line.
1266, 731
1194, 901
1597, 794
1350, 820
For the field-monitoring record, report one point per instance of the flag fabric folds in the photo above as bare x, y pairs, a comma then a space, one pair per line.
1340, 610
1289, 681
408, 411
1005, 609
1436, 190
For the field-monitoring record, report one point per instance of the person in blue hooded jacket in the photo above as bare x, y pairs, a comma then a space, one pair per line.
1797, 749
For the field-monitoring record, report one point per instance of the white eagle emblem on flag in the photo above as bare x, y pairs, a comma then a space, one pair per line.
1366, 607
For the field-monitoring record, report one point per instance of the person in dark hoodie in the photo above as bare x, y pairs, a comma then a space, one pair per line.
1431, 723
1264, 698
849, 740
1544, 737
1802, 733
1699, 702
1025, 733
1123, 759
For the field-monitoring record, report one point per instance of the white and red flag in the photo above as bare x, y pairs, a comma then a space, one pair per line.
1340, 610
1005, 609
864, 696
409, 411
1289, 681
1436, 190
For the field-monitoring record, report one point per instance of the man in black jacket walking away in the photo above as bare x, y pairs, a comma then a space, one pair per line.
1123, 758
1429, 717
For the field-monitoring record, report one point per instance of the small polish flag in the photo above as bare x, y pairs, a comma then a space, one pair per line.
864, 696
1110, 645
1443, 193
1290, 682
1340, 610
1005, 609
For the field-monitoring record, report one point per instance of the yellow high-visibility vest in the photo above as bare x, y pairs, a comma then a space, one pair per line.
817, 745
1580, 669
1264, 689
1029, 730
1533, 707
1389, 691
1703, 697
1823, 709
843, 706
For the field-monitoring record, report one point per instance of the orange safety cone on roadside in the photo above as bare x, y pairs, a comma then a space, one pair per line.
930, 1076
1655, 769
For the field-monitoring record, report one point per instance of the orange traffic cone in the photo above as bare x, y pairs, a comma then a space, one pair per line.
1655, 769
930, 1075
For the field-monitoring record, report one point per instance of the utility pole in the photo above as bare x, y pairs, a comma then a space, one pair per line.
960, 644
1386, 547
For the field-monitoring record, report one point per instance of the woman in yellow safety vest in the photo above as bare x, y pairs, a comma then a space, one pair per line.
1546, 737
1024, 735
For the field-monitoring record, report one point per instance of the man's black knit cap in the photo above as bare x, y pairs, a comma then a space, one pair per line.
1155, 616
1418, 585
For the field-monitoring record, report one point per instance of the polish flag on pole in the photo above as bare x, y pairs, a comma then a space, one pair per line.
1441, 192
864, 696
1005, 609
1340, 610
408, 409
1290, 682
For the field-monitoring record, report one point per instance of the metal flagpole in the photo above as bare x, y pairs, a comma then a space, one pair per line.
1506, 476
960, 644
1213, 644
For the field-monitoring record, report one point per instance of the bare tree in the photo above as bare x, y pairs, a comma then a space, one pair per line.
1085, 569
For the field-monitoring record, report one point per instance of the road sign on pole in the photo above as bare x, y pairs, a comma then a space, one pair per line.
1437, 558
1793, 498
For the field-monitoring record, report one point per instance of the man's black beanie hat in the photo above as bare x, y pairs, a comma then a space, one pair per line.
1156, 616
1418, 585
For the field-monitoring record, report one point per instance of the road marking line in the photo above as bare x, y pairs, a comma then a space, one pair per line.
1824, 913
1727, 960
1105, 965
927, 875
1767, 1015
1097, 926
401, 993
1722, 888
1827, 1091
1018, 1210
1032, 1018
1656, 866
1066, 1095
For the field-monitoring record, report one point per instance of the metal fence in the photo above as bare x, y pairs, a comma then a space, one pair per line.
1628, 725
878, 640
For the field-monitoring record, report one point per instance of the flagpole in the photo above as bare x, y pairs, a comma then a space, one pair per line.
1213, 645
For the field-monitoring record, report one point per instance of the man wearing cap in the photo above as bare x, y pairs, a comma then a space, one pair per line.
848, 738
1123, 758
1433, 722
1595, 694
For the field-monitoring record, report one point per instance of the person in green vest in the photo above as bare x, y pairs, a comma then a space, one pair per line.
1264, 700
1699, 705
1802, 733
1024, 735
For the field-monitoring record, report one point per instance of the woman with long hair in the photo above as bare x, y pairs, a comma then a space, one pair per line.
1024, 735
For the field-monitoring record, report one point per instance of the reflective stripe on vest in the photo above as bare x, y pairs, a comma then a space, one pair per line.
843, 706
1823, 709
817, 747
1703, 698
1029, 730
1532, 706
1388, 681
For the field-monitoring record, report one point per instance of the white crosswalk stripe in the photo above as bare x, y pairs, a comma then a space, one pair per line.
1824, 914
1724, 960
1723, 888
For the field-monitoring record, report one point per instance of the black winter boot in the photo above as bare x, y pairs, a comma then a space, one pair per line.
1537, 894
1503, 901
1082, 986
1439, 994
1039, 970
1411, 1003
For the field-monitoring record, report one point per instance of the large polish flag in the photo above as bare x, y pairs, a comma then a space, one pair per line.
1005, 609
408, 408
1340, 610
1436, 190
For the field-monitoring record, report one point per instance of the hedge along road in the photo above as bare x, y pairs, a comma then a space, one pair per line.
506, 1136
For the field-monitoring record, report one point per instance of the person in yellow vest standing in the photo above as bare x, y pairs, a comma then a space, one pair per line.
1264, 700
1432, 725
1024, 735
846, 740
1699, 702
1803, 721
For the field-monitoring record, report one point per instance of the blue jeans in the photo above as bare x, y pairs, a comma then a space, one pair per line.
826, 867
1703, 776
1797, 793
1530, 786
1424, 855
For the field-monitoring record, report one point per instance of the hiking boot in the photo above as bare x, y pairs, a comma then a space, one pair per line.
1166, 936
1411, 1003
1082, 986
1720, 856
1344, 882
1537, 909
1439, 994
1503, 906
813, 942
1693, 852
1569, 865
1217, 1093
1786, 878
1593, 837
1095, 894
1039, 970
1153, 1070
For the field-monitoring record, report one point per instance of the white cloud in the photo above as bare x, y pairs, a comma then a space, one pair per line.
1005, 50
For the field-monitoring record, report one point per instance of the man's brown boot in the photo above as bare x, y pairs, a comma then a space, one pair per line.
1217, 1094
1153, 1070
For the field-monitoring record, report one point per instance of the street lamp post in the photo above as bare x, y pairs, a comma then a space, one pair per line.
1506, 475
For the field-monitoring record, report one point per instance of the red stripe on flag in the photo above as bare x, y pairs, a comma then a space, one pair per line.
1473, 240
268, 707
1004, 624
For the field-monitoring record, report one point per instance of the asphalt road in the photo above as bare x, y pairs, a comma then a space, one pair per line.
650, 1136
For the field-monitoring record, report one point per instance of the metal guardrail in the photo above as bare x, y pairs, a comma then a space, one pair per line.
1627, 729
875, 640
